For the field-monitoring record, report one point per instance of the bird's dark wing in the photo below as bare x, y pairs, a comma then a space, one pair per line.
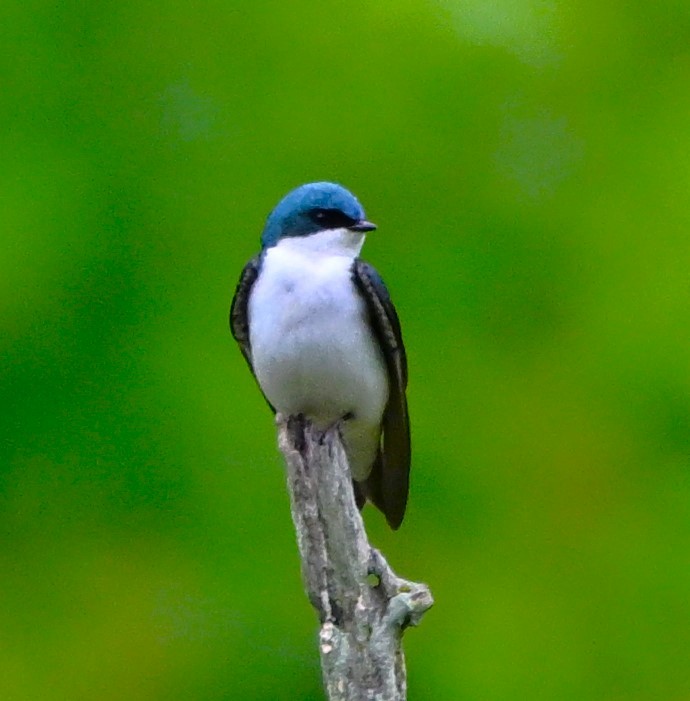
387, 485
239, 316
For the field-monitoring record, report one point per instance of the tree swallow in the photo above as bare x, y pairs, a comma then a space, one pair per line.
321, 336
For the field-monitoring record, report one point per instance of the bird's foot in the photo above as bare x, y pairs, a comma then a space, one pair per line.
296, 425
338, 425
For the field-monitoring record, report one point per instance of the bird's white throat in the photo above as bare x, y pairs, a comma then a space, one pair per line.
329, 242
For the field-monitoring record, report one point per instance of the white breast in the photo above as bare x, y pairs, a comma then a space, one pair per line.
312, 349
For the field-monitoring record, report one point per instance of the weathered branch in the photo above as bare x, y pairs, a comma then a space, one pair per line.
362, 605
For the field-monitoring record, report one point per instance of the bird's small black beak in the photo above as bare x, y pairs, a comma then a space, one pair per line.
362, 225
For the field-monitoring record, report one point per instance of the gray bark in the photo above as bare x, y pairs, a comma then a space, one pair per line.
362, 605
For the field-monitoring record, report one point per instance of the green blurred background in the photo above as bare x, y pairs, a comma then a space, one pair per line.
528, 164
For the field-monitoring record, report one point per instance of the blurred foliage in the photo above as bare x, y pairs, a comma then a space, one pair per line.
527, 164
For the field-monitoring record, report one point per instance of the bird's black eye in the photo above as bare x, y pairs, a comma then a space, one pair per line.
331, 218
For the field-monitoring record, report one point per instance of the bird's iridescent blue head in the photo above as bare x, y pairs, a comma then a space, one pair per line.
312, 208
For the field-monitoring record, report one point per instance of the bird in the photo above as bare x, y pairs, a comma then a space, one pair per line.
322, 338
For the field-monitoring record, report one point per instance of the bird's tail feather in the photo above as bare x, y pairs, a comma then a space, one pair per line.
372, 489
